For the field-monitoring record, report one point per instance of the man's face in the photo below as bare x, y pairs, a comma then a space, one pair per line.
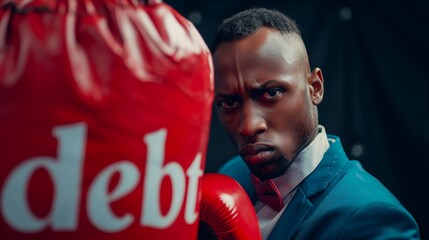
266, 99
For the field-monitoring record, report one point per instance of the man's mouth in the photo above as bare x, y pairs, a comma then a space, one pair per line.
256, 153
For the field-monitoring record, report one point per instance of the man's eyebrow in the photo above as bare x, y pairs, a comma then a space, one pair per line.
264, 85
258, 91
225, 95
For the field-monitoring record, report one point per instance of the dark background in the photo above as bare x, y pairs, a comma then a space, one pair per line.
374, 57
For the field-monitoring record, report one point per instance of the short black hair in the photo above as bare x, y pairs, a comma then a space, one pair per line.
245, 23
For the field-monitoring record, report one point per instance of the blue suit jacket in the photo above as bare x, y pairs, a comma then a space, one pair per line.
338, 200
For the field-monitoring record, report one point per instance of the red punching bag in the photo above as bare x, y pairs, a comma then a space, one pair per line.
104, 120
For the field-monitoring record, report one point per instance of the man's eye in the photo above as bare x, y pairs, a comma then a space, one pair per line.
272, 93
228, 104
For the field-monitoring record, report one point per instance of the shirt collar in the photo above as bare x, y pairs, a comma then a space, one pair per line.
306, 161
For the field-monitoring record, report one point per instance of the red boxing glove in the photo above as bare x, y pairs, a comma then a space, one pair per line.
226, 210
105, 110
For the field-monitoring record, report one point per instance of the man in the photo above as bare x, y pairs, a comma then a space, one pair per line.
267, 98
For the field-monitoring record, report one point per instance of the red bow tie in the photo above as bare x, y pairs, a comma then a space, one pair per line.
268, 193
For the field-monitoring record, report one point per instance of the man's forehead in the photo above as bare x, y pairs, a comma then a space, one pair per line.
265, 43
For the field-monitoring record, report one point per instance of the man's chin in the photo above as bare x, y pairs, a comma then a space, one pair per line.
270, 171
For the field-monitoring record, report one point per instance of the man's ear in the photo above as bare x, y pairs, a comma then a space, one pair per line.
315, 81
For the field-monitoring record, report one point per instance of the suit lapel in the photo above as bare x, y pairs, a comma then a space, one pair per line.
302, 203
291, 218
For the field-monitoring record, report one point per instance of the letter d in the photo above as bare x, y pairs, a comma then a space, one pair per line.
65, 175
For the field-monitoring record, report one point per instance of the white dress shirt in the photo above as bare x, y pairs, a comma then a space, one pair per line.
306, 161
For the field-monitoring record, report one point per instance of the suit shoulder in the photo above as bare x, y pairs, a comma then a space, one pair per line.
237, 169
233, 166
380, 220
361, 185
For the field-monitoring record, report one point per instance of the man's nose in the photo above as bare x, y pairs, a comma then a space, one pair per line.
252, 121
